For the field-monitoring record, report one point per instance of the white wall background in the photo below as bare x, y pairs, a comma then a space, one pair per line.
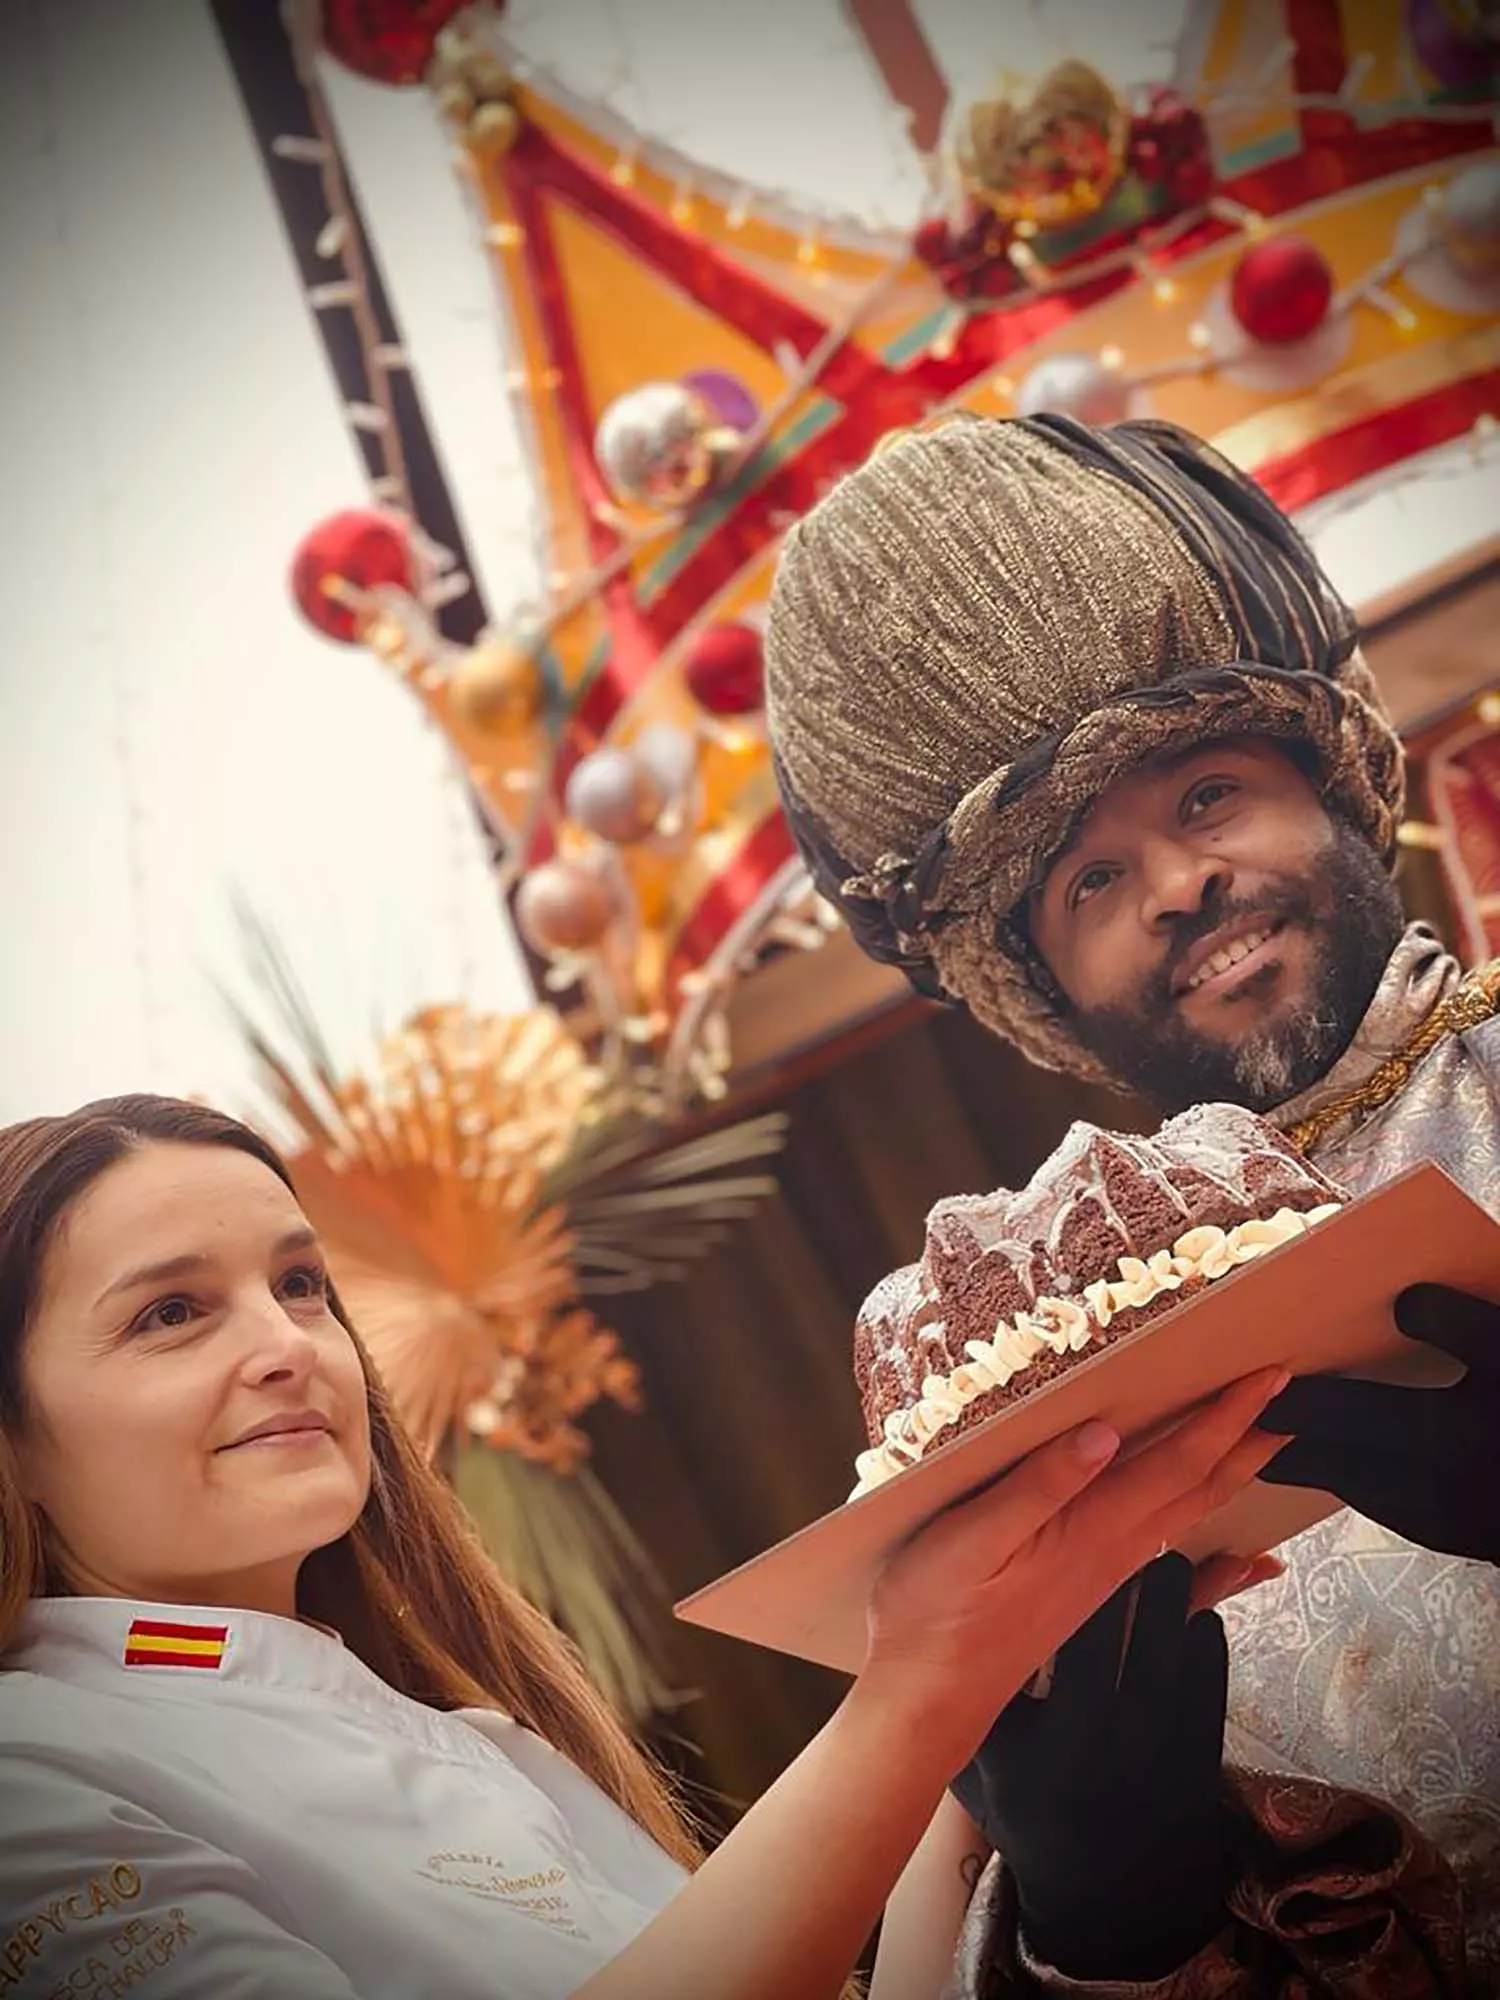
170, 733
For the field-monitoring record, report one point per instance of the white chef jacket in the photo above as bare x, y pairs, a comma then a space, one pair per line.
220, 1805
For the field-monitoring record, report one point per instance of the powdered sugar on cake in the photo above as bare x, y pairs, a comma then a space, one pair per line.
1012, 1288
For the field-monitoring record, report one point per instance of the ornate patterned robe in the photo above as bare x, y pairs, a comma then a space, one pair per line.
1371, 1665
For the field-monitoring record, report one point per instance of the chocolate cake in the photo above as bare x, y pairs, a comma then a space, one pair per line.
1013, 1288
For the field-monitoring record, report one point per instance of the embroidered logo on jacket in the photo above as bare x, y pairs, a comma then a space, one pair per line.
151, 1642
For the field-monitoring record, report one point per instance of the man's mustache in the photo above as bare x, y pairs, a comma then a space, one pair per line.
1289, 904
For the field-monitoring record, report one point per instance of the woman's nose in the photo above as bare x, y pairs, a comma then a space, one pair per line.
278, 1348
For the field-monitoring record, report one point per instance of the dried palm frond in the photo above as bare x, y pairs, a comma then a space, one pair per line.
640, 1215
471, 1188
566, 1547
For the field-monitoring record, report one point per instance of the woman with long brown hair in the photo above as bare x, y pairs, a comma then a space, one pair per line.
272, 1726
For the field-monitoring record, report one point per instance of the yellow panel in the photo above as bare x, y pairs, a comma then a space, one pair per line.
1374, 29
1237, 57
1289, 426
631, 325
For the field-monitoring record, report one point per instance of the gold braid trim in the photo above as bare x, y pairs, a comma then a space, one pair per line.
1475, 999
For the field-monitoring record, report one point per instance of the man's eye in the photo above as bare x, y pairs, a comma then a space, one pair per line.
1210, 793
1090, 883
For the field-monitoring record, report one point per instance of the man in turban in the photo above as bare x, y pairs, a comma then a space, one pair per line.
1070, 726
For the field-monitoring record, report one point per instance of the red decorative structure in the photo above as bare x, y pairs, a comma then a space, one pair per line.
630, 270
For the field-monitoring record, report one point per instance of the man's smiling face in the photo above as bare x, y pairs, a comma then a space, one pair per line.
1215, 931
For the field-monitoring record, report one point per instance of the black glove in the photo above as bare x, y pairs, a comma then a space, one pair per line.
1421, 1462
1105, 1797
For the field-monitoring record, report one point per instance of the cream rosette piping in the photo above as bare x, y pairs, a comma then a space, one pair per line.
1066, 1326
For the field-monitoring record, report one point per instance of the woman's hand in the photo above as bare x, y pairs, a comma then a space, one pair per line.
983, 1597
961, 1620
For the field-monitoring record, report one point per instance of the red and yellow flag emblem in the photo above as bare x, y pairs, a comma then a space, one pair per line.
151, 1642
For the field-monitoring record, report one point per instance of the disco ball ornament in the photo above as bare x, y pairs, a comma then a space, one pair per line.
344, 558
615, 794
1074, 385
660, 445
1281, 289
725, 670
1050, 156
496, 687
564, 906
388, 41
1468, 219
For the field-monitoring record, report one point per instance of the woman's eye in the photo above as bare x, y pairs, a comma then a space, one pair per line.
167, 1315
1210, 793
307, 1281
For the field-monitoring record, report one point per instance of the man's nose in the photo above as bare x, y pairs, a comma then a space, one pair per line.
1178, 879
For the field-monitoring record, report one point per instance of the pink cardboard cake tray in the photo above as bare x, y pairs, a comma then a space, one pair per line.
1317, 1305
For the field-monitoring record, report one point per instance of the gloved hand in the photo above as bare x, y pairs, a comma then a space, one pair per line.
1421, 1462
1104, 1797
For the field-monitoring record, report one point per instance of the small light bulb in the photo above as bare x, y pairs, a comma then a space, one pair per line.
1112, 358
622, 173
1199, 336
1164, 291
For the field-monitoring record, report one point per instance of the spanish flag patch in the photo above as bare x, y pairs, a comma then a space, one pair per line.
152, 1643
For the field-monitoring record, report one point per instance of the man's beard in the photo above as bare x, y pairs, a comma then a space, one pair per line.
1350, 911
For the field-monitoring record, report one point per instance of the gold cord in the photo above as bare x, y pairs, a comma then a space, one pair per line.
1474, 1000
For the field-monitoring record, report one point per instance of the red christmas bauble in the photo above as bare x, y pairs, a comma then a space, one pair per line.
1281, 290
933, 242
389, 41
358, 548
725, 670
970, 261
1169, 148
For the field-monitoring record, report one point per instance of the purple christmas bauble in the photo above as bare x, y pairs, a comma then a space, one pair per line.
1452, 49
726, 396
